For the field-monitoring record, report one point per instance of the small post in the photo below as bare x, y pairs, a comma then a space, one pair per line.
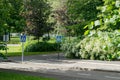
6, 48
6, 39
59, 40
22, 52
58, 52
22, 39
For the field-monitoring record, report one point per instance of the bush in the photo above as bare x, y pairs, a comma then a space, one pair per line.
2, 47
34, 46
97, 45
69, 48
100, 46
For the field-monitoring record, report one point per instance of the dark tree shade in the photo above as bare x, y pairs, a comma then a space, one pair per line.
37, 14
80, 13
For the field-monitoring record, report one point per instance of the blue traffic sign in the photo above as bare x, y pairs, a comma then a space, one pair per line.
23, 38
59, 38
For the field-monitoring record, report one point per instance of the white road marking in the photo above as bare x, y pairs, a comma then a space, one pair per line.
84, 74
110, 77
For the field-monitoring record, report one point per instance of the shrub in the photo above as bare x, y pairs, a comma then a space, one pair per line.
34, 46
69, 48
97, 45
3, 47
100, 45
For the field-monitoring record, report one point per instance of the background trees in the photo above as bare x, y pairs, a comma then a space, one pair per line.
80, 13
4, 15
37, 16
11, 16
16, 21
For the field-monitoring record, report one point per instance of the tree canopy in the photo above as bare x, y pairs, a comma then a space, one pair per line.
11, 16
108, 18
81, 12
37, 16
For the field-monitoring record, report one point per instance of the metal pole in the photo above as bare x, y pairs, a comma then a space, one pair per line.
58, 51
22, 52
6, 48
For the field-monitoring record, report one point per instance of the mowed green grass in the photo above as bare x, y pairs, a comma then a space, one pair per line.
17, 51
14, 49
14, 76
14, 40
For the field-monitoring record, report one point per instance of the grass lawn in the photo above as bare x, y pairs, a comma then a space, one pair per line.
14, 76
17, 51
14, 40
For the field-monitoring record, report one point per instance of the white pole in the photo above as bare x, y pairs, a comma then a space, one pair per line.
22, 52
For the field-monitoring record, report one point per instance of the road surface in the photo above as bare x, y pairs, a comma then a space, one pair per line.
67, 74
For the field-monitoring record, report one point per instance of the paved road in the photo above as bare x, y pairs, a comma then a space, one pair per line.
73, 75
66, 74
40, 57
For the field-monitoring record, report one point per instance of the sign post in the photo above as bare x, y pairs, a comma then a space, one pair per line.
23, 39
58, 40
6, 39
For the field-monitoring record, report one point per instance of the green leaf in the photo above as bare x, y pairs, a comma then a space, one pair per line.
85, 27
87, 32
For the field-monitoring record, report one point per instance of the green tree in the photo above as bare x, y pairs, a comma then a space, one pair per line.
109, 15
4, 15
37, 16
81, 12
16, 22
11, 18
108, 18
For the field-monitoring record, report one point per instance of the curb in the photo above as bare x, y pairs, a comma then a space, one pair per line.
89, 69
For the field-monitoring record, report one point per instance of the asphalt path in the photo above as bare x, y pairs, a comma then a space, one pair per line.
64, 75
55, 56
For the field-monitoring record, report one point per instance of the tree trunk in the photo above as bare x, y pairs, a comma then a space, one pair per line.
9, 36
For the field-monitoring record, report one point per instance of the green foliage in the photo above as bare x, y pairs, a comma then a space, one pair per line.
108, 16
97, 45
76, 29
2, 56
83, 9
4, 15
46, 38
3, 47
100, 45
16, 21
80, 13
41, 46
37, 15
11, 16
69, 48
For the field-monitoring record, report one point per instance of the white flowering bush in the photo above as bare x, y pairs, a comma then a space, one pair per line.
70, 49
100, 45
